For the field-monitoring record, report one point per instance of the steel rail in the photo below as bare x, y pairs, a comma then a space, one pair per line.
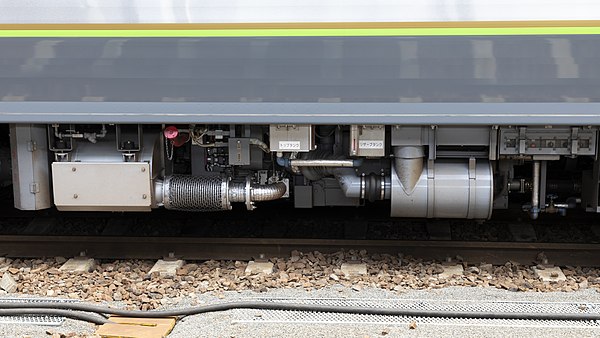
192, 248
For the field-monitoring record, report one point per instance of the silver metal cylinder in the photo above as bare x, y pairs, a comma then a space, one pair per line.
372, 187
212, 193
453, 189
258, 193
322, 163
351, 185
535, 191
195, 193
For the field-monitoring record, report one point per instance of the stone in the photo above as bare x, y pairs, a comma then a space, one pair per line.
78, 265
8, 283
451, 270
356, 287
183, 272
489, 268
473, 269
166, 268
53, 271
254, 267
354, 269
553, 274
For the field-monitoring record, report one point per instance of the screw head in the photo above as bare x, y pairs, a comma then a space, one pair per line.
75, 196
143, 169
73, 169
144, 196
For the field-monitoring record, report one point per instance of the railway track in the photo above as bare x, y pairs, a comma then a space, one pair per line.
191, 248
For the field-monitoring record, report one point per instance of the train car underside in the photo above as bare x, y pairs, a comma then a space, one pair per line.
440, 110
420, 171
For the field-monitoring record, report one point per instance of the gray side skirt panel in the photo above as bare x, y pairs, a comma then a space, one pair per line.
315, 113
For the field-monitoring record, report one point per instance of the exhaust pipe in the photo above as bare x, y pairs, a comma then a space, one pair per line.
212, 193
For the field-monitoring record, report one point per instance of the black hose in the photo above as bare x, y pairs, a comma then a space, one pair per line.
34, 310
300, 307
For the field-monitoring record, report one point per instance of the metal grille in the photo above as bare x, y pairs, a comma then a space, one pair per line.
34, 319
194, 193
302, 317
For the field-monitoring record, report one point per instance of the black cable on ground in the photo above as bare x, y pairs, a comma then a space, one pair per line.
86, 317
298, 307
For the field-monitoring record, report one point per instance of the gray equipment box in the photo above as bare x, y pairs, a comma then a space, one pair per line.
292, 137
125, 186
31, 182
548, 141
239, 151
367, 140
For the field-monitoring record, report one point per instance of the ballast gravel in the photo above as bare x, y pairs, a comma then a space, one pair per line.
130, 282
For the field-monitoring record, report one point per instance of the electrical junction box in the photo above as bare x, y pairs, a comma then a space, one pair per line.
239, 151
292, 138
367, 140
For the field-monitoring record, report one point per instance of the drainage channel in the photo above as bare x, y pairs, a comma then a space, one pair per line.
34, 319
450, 306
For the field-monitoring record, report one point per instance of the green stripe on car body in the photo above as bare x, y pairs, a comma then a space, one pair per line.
275, 32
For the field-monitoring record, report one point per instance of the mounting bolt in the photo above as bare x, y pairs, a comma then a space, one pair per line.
144, 196
143, 169
73, 169
75, 195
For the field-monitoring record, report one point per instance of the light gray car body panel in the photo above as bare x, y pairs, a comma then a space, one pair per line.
392, 80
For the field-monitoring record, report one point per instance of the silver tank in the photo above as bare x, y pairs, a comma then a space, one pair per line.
452, 189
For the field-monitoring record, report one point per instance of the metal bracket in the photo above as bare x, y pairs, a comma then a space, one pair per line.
543, 174
430, 169
432, 143
126, 145
493, 151
574, 140
522, 140
248, 191
430, 187
472, 186
472, 165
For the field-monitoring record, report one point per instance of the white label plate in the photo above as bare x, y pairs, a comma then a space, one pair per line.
370, 144
289, 145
